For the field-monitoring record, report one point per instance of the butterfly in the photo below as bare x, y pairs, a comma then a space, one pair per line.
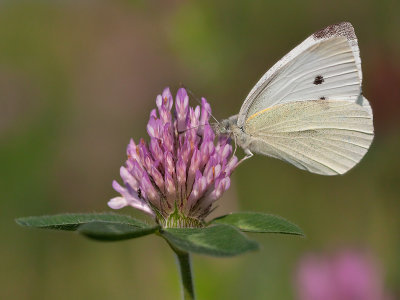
308, 109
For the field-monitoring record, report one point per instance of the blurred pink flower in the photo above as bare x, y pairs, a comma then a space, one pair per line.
348, 275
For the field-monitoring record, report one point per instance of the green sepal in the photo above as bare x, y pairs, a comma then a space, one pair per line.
259, 222
215, 240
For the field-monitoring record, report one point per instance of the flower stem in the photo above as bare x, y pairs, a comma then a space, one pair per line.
185, 268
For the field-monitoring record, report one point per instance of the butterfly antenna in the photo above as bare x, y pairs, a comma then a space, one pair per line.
194, 127
198, 100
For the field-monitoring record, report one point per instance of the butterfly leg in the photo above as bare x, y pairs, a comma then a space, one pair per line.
247, 156
234, 138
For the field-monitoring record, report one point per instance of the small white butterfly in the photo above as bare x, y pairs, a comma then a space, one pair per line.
308, 109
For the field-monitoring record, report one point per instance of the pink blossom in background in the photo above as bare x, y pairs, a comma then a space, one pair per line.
347, 275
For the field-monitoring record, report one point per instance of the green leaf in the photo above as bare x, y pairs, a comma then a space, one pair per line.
107, 231
216, 240
71, 222
259, 222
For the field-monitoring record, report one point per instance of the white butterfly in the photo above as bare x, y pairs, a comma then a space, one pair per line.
308, 109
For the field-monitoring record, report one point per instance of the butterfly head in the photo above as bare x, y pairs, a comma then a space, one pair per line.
226, 126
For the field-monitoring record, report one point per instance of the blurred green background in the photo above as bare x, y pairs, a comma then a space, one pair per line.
78, 79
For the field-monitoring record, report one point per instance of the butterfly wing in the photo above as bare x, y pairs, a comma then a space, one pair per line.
308, 109
326, 65
326, 137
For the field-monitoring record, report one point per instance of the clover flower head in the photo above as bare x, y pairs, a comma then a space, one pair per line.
179, 174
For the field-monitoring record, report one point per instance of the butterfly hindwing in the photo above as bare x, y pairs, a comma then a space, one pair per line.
322, 136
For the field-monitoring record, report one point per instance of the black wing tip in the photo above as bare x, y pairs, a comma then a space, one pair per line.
339, 29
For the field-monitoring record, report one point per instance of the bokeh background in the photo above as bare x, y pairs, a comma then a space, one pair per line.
78, 79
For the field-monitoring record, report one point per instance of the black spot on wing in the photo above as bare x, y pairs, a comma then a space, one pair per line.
318, 79
340, 29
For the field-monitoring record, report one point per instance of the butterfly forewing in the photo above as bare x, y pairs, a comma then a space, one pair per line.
325, 66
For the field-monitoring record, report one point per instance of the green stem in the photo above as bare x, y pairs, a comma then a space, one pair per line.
185, 268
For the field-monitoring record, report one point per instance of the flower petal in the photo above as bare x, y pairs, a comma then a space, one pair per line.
117, 203
143, 207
